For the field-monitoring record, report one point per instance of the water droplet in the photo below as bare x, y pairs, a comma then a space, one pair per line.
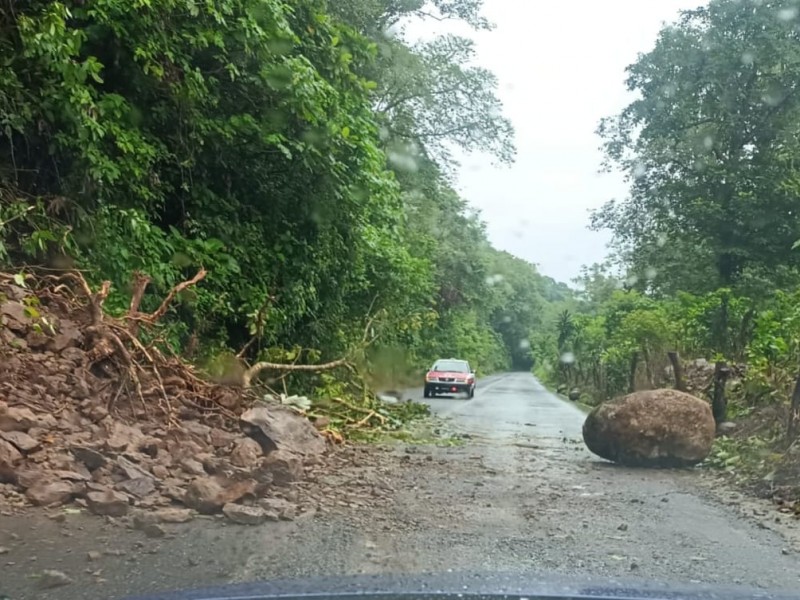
708, 142
748, 58
650, 273
661, 240
631, 280
787, 14
639, 170
568, 358
524, 344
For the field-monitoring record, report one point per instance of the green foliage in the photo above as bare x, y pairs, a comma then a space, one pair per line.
289, 148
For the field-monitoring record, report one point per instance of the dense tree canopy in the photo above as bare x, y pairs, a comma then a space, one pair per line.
706, 257
295, 149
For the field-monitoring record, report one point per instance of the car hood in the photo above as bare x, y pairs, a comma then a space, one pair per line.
454, 586
454, 374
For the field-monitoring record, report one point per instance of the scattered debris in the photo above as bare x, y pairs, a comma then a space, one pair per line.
52, 579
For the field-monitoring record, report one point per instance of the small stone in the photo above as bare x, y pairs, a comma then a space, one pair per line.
634, 566
245, 453
174, 515
50, 493
785, 551
245, 515
22, 441
154, 531
139, 487
193, 467
89, 457
93, 555
284, 467
108, 503
623, 527
17, 419
4, 550
665, 500
160, 471
52, 579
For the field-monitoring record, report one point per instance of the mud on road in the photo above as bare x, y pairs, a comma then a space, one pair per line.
521, 494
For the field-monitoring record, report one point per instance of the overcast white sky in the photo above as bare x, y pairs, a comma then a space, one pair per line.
561, 68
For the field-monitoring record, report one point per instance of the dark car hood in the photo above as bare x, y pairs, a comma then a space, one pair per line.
465, 587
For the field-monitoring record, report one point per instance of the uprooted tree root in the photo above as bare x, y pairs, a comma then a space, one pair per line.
141, 377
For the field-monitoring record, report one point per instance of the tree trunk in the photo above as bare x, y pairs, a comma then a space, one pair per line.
677, 370
794, 411
719, 404
632, 378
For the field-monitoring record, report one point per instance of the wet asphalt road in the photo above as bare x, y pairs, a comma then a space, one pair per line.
522, 495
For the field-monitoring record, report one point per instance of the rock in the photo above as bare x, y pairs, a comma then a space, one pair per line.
246, 452
284, 467
69, 336
9, 455
279, 428
28, 478
89, 457
277, 505
139, 487
574, 394
74, 355
174, 515
131, 469
50, 493
93, 555
122, 438
143, 518
154, 530
21, 440
70, 475
245, 515
207, 495
17, 419
160, 471
193, 467
51, 578
108, 503
654, 428
221, 438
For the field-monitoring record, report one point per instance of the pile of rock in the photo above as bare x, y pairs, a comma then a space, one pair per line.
112, 468
67, 437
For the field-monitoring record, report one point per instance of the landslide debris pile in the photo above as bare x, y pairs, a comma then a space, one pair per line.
89, 415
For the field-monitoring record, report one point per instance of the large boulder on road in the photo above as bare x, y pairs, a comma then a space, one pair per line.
654, 428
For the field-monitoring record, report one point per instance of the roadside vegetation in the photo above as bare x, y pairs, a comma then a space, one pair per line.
298, 152
706, 245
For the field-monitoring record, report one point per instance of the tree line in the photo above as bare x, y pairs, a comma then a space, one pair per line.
300, 151
706, 259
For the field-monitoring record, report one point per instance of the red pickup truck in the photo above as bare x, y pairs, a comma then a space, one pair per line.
450, 376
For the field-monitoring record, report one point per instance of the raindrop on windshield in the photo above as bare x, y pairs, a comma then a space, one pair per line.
568, 358
650, 273
524, 344
639, 170
748, 58
788, 14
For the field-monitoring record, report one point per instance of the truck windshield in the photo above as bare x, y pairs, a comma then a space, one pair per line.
456, 366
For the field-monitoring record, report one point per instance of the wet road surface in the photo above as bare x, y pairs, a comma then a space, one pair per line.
521, 495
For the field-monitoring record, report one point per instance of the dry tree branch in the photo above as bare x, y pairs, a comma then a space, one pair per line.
161, 310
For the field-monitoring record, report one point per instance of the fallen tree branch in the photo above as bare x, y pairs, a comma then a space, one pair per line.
161, 310
249, 374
